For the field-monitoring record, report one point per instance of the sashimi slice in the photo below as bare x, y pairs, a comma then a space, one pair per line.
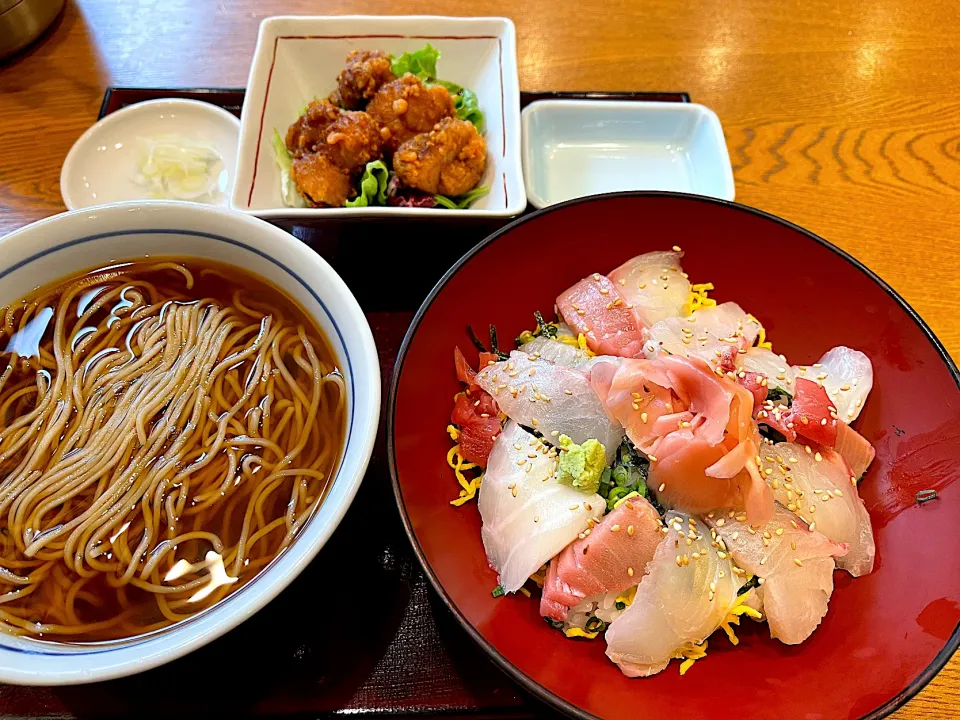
774, 367
595, 308
812, 413
654, 284
820, 488
556, 351
478, 418
687, 593
550, 398
713, 334
695, 427
611, 557
796, 566
855, 449
846, 375
528, 517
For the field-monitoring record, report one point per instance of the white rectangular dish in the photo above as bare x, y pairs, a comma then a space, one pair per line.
298, 59
573, 148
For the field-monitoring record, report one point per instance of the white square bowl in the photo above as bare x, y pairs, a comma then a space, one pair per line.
298, 59
573, 148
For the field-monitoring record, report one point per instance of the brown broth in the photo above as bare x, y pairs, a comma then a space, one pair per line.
112, 528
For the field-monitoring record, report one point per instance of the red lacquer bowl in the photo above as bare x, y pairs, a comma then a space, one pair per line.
886, 634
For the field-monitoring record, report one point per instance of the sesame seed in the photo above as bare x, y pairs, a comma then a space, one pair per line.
797, 562
521, 461
837, 493
676, 248
513, 492
587, 506
643, 417
662, 487
791, 507
615, 528
534, 422
596, 277
722, 555
630, 571
679, 561
630, 529
696, 556
818, 457
807, 448
793, 524
713, 587
651, 458
574, 507
720, 522
763, 561
629, 505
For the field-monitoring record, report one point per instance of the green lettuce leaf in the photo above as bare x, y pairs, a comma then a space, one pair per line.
288, 188
373, 186
463, 201
465, 103
422, 63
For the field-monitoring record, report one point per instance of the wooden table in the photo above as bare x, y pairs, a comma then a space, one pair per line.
843, 117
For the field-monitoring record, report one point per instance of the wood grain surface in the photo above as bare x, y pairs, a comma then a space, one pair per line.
840, 115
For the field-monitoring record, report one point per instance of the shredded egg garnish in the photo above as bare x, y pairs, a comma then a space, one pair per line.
699, 298
578, 632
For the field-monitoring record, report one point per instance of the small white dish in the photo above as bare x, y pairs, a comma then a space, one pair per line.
59, 246
573, 148
102, 164
298, 59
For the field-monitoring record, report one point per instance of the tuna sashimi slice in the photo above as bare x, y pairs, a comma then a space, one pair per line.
846, 375
653, 283
528, 517
796, 566
550, 398
713, 334
595, 308
820, 488
687, 593
812, 413
611, 557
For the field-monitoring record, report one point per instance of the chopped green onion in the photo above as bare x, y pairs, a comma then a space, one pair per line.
498, 591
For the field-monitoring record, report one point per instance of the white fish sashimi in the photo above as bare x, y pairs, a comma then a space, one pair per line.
846, 375
675, 608
654, 285
817, 487
551, 398
528, 517
724, 329
765, 362
796, 565
557, 352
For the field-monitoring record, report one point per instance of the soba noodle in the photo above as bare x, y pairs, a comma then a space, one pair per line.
166, 429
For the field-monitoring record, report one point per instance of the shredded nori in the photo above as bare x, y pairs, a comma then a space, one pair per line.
555, 624
752, 583
544, 328
475, 340
776, 394
771, 434
495, 346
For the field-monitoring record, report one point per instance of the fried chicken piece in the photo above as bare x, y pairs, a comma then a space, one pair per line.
366, 71
311, 127
406, 107
321, 181
352, 140
448, 160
